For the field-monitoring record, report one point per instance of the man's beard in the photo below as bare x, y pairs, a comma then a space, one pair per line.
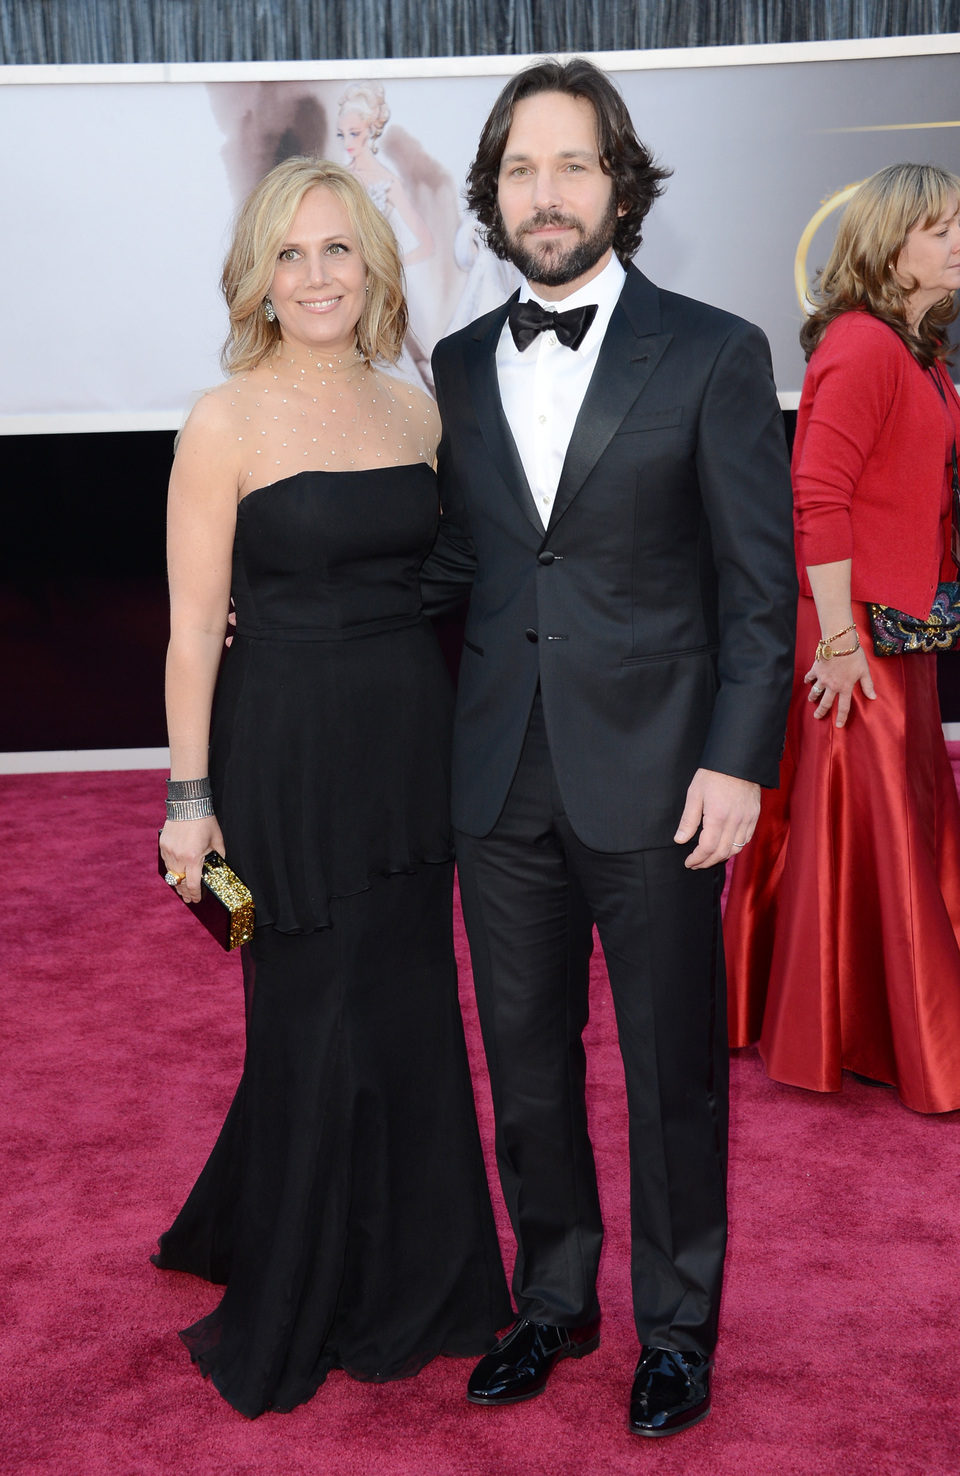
547, 265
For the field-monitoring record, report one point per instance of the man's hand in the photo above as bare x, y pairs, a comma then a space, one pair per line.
724, 809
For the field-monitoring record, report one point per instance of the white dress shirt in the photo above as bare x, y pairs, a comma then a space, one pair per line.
542, 389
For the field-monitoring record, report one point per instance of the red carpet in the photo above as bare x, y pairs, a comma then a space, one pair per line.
840, 1347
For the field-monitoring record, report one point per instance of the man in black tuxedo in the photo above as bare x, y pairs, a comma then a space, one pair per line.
615, 490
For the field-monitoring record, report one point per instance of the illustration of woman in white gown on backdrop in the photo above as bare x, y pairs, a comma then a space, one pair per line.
489, 281
363, 115
405, 197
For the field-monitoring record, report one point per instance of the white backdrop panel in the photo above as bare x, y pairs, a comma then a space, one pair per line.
117, 195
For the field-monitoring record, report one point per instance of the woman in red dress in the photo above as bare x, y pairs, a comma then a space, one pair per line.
843, 921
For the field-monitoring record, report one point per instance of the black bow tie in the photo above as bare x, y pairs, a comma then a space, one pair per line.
527, 319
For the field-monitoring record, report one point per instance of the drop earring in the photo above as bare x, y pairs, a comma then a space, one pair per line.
269, 311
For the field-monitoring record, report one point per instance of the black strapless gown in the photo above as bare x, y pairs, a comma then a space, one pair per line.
345, 1204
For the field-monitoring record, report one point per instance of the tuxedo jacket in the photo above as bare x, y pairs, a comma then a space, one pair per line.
656, 610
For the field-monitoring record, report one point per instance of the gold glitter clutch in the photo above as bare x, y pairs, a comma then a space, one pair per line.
226, 905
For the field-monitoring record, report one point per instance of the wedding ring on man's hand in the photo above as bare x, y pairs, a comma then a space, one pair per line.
739, 845
174, 878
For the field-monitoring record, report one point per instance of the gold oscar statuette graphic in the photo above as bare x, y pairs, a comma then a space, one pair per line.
830, 204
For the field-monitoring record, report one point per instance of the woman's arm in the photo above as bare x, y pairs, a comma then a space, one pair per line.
414, 223
853, 379
855, 376
835, 678
201, 519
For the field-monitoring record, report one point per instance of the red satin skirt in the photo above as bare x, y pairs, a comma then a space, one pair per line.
842, 925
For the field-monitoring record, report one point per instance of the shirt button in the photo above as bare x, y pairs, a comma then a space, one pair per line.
531, 635
542, 419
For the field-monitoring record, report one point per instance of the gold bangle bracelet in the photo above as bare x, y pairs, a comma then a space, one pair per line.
825, 651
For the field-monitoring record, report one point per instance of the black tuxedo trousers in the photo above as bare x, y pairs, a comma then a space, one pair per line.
531, 892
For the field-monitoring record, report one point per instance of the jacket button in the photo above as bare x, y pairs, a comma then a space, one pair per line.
546, 557
531, 635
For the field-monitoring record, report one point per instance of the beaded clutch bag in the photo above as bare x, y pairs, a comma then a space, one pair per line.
897, 634
226, 906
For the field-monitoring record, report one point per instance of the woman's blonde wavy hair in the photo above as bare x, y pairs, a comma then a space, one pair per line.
860, 270
262, 225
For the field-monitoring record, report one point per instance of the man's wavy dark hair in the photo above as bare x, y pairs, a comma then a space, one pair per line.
637, 180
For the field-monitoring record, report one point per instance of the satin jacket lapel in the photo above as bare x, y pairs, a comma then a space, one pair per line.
482, 374
631, 350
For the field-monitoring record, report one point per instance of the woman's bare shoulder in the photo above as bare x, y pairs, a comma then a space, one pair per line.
213, 412
220, 412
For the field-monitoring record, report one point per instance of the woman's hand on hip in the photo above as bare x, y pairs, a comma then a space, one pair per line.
834, 682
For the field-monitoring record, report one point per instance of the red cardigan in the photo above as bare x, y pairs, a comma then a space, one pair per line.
868, 465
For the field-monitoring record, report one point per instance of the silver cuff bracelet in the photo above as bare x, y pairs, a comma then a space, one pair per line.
187, 789
190, 809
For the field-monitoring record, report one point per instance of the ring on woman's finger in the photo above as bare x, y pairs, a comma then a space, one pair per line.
174, 878
816, 691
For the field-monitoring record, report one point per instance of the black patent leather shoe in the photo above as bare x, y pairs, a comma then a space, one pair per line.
671, 1391
519, 1366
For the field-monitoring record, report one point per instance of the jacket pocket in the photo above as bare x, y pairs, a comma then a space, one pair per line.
477, 650
652, 420
709, 650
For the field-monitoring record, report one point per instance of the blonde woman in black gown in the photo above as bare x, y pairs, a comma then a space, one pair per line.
345, 1204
